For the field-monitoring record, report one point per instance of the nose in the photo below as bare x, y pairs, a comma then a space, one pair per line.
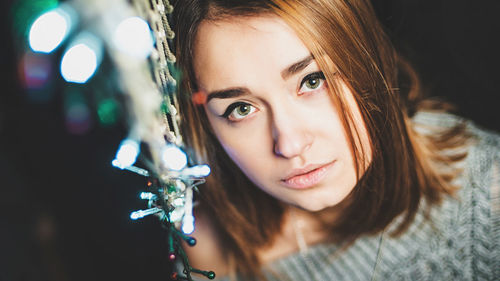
291, 136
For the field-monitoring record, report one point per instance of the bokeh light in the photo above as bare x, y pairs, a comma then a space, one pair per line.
80, 61
50, 29
174, 158
147, 196
78, 64
198, 171
188, 224
133, 37
35, 70
77, 113
107, 110
127, 154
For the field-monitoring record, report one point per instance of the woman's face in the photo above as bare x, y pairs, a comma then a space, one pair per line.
269, 106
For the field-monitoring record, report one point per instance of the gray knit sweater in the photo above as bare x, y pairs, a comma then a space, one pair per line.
460, 242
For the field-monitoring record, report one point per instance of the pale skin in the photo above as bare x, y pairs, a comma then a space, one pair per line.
269, 106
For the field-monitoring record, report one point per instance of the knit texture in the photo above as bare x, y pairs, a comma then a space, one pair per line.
460, 242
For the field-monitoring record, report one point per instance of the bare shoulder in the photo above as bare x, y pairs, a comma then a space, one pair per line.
207, 254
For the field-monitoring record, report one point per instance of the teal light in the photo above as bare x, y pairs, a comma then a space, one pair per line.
24, 13
107, 110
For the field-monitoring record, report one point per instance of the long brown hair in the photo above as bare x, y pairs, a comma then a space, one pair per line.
345, 37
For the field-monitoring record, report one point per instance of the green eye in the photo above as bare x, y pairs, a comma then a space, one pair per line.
243, 110
238, 111
313, 83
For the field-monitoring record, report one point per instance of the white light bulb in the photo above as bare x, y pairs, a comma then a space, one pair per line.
127, 154
147, 195
174, 158
80, 61
49, 30
142, 213
133, 37
188, 225
197, 171
135, 215
78, 64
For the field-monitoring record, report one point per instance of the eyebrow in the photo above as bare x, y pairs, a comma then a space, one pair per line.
297, 67
227, 93
241, 91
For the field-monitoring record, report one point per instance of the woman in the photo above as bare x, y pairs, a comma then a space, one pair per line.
321, 170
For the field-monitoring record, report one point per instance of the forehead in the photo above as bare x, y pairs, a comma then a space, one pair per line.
239, 48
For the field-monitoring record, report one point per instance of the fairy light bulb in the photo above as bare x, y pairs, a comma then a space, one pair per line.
81, 59
147, 196
198, 171
49, 30
127, 154
173, 158
142, 213
133, 37
188, 224
188, 219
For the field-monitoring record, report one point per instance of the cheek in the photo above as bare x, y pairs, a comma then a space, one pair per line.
246, 146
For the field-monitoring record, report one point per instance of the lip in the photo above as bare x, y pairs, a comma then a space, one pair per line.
308, 176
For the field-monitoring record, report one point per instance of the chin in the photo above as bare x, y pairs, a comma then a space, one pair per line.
312, 206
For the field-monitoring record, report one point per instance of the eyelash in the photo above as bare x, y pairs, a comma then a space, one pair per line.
232, 107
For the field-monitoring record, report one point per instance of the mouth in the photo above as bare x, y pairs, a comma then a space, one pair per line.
307, 177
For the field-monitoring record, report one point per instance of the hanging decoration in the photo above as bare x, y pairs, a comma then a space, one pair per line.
135, 36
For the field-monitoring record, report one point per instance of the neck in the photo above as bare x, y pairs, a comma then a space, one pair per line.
300, 230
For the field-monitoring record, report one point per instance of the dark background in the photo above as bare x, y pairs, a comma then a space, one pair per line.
64, 211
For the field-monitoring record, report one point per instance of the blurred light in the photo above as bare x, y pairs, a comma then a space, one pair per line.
197, 171
133, 37
78, 118
142, 213
174, 158
25, 12
35, 70
51, 28
107, 110
176, 214
81, 60
77, 113
188, 224
147, 196
127, 154
79, 64
178, 202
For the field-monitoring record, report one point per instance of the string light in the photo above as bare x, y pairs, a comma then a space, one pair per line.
51, 28
127, 154
142, 213
188, 219
188, 224
130, 43
173, 158
198, 171
147, 196
133, 37
80, 61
